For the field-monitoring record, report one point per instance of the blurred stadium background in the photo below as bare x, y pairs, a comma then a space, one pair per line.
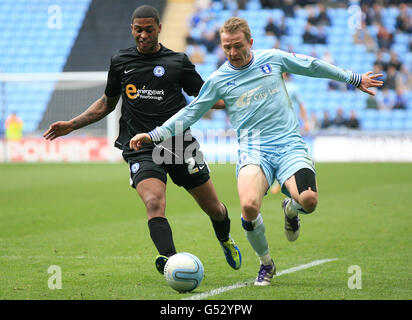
54, 57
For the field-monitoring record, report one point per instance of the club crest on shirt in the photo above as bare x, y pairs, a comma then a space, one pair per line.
242, 158
266, 68
159, 71
135, 167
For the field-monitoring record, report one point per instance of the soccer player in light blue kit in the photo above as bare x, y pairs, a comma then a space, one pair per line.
299, 108
297, 103
270, 145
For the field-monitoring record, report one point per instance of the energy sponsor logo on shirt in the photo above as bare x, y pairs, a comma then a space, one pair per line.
133, 93
255, 95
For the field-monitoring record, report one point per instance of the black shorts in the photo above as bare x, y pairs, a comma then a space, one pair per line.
188, 170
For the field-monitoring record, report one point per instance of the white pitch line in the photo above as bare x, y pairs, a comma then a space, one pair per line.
217, 291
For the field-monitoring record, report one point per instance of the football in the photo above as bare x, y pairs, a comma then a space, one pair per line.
184, 272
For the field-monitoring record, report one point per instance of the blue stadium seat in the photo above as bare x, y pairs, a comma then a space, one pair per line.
371, 114
384, 124
253, 6
399, 114
44, 49
408, 124
368, 124
346, 54
398, 124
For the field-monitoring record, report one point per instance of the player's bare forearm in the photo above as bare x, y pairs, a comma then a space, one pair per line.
97, 111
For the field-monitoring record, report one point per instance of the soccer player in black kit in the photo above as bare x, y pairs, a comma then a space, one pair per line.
149, 77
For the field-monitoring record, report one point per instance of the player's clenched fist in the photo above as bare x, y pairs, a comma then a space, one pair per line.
137, 141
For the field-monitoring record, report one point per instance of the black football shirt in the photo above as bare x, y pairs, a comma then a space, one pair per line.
151, 89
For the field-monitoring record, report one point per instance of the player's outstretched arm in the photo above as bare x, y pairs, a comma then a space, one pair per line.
191, 114
97, 111
369, 81
313, 67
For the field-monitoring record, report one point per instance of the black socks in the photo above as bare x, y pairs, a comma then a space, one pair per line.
161, 234
162, 237
222, 228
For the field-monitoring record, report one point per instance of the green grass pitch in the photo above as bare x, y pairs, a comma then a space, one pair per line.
87, 220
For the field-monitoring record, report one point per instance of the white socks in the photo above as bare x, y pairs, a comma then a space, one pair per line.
255, 233
266, 259
293, 208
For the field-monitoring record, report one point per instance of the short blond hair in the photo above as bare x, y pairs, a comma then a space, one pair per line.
235, 24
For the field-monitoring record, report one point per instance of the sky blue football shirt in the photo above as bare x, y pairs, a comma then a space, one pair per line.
256, 99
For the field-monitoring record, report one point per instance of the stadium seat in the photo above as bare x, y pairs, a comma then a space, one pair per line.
253, 6
398, 124
384, 124
45, 49
408, 124
370, 115
48, 49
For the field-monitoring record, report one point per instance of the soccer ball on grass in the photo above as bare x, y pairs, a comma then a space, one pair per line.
183, 272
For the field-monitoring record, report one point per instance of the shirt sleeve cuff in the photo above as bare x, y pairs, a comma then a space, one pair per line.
355, 79
155, 135
159, 134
